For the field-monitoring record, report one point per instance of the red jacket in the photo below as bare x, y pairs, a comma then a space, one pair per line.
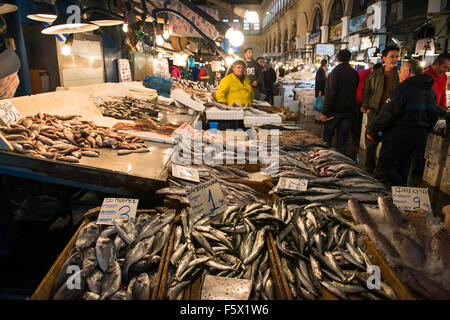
363, 74
439, 87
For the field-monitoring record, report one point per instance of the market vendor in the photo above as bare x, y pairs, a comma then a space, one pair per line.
235, 87
9, 80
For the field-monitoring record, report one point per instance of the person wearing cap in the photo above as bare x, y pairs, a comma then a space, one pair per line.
9, 80
235, 86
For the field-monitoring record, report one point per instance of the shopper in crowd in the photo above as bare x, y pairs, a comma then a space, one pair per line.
356, 127
206, 74
376, 90
254, 72
340, 101
404, 122
195, 72
270, 76
321, 77
261, 88
438, 72
235, 87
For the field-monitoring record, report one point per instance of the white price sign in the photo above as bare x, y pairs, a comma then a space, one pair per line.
406, 198
9, 113
113, 208
325, 48
293, 184
207, 198
186, 173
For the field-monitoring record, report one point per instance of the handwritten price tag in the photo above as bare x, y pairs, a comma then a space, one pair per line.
113, 208
207, 198
406, 198
292, 184
185, 173
8, 113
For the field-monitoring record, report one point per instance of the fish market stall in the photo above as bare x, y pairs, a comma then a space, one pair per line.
63, 138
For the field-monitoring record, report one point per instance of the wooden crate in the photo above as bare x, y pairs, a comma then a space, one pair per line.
387, 273
44, 290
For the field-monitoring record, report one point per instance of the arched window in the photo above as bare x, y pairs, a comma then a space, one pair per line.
286, 40
293, 34
337, 12
317, 22
360, 7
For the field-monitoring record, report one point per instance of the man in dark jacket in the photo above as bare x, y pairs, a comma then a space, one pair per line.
404, 122
254, 72
270, 76
340, 101
321, 77
376, 90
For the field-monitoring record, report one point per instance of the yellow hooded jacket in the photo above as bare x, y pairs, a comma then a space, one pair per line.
232, 90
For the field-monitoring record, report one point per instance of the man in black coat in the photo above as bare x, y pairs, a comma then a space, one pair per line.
254, 72
321, 77
408, 115
340, 101
270, 76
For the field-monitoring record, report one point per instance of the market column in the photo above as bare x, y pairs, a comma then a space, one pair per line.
345, 21
377, 22
324, 34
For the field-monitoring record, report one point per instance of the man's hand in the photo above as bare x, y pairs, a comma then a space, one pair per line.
323, 117
369, 137
254, 83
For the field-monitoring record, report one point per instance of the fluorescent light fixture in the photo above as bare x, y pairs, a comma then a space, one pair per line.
7, 8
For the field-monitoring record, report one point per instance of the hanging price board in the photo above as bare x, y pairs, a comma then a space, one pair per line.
186, 173
207, 198
113, 208
8, 113
406, 198
292, 184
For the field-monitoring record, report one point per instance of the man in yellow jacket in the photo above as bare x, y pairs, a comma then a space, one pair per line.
235, 87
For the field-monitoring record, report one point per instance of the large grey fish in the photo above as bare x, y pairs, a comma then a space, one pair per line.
160, 239
153, 227
119, 246
380, 240
73, 288
178, 235
89, 260
202, 241
106, 253
391, 213
409, 249
111, 280
126, 230
142, 220
360, 214
146, 263
94, 281
257, 246
183, 263
88, 235
176, 255
141, 288
136, 253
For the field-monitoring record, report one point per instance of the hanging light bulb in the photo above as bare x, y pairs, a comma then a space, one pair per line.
160, 55
422, 64
166, 32
236, 38
67, 47
159, 40
125, 27
230, 51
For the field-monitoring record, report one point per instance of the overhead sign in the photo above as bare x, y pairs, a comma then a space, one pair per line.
407, 198
357, 23
314, 38
325, 48
353, 42
425, 46
336, 32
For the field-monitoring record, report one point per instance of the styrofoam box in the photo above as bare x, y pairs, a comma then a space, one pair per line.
445, 180
262, 120
217, 114
438, 151
432, 173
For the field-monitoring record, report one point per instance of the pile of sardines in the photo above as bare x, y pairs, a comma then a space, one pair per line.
117, 262
332, 177
67, 138
230, 245
128, 108
320, 249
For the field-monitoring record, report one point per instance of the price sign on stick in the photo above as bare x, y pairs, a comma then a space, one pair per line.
8, 113
113, 208
406, 198
186, 173
293, 184
207, 198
